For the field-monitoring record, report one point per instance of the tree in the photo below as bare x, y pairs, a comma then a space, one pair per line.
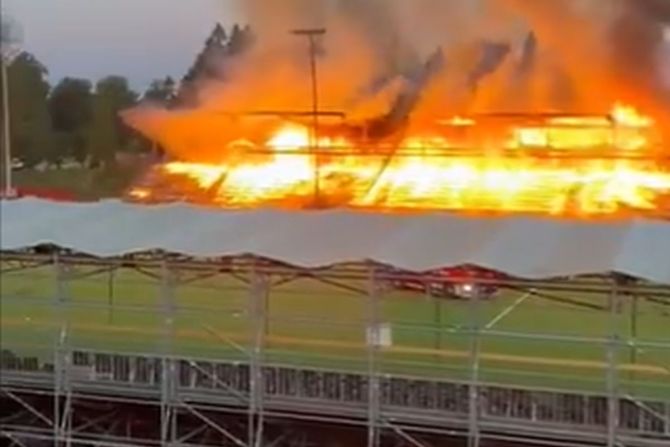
215, 44
240, 40
71, 111
108, 133
211, 62
29, 119
161, 91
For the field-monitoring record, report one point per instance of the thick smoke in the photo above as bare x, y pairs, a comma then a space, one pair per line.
606, 50
637, 39
587, 54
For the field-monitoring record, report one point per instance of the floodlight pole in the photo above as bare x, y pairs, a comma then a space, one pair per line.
311, 35
7, 58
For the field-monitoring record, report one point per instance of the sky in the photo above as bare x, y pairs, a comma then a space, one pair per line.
139, 39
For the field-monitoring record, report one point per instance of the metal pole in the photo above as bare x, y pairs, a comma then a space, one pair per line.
473, 414
7, 141
633, 335
315, 89
168, 372
58, 315
311, 35
373, 341
315, 111
612, 368
257, 309
437, 322
62, 419
633, 329
110, 296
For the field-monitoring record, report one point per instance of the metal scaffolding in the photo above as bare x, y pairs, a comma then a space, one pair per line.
190, 394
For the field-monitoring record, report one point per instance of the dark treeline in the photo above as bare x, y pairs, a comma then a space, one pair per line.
78, 120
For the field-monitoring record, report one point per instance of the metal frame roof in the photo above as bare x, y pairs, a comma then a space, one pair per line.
532, 248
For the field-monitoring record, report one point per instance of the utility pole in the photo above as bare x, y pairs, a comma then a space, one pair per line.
10, 51
312, 35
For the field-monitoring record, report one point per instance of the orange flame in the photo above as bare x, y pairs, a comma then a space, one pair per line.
563, 165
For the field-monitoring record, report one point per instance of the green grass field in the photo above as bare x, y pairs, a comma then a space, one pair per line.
84, 184
313, 324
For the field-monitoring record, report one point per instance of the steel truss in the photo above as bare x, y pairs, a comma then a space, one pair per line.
185, 419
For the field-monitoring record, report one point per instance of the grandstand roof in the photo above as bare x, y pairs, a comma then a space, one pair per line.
521, 246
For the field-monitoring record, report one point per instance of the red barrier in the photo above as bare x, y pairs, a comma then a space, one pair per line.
58, 195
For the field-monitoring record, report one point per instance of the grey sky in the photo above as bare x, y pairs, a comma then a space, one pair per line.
140, 39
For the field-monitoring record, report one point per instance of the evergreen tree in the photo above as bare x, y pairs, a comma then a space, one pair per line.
210, 63
240, 40
215, 43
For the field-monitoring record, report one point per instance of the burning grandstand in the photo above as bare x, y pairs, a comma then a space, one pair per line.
552, 164
499, 126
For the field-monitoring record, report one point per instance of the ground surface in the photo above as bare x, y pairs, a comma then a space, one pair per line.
83, 184
529, 340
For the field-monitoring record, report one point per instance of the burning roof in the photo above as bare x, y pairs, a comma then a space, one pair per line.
439, 143
542, 164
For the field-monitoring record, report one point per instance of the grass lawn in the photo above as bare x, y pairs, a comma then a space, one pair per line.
313, 324
85, 184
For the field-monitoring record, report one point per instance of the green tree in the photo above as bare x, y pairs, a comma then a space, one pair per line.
161, 91
29, 117
71, 111
211, 62
108, 134
202, 67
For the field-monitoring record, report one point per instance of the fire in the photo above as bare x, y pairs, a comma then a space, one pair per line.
596, 187
556, 165
628, 116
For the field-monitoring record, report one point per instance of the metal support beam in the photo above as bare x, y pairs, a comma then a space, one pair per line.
242, 398
373, 343
95, 423
192, 434
437, 315
474, 404
62, 419
665, 419
312, 35
7, 187
110, 295
405, 437
32, 410
633, 327
169, 366
210, 423
257, 301
16, 441
612, 355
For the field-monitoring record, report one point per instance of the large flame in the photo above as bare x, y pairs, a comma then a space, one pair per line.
556, 165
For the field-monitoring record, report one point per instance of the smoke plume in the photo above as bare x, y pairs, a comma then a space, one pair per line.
587, 54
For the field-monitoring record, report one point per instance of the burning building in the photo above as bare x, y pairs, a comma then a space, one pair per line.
423, 148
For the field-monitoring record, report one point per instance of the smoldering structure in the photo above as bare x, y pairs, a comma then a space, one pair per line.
517, 106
